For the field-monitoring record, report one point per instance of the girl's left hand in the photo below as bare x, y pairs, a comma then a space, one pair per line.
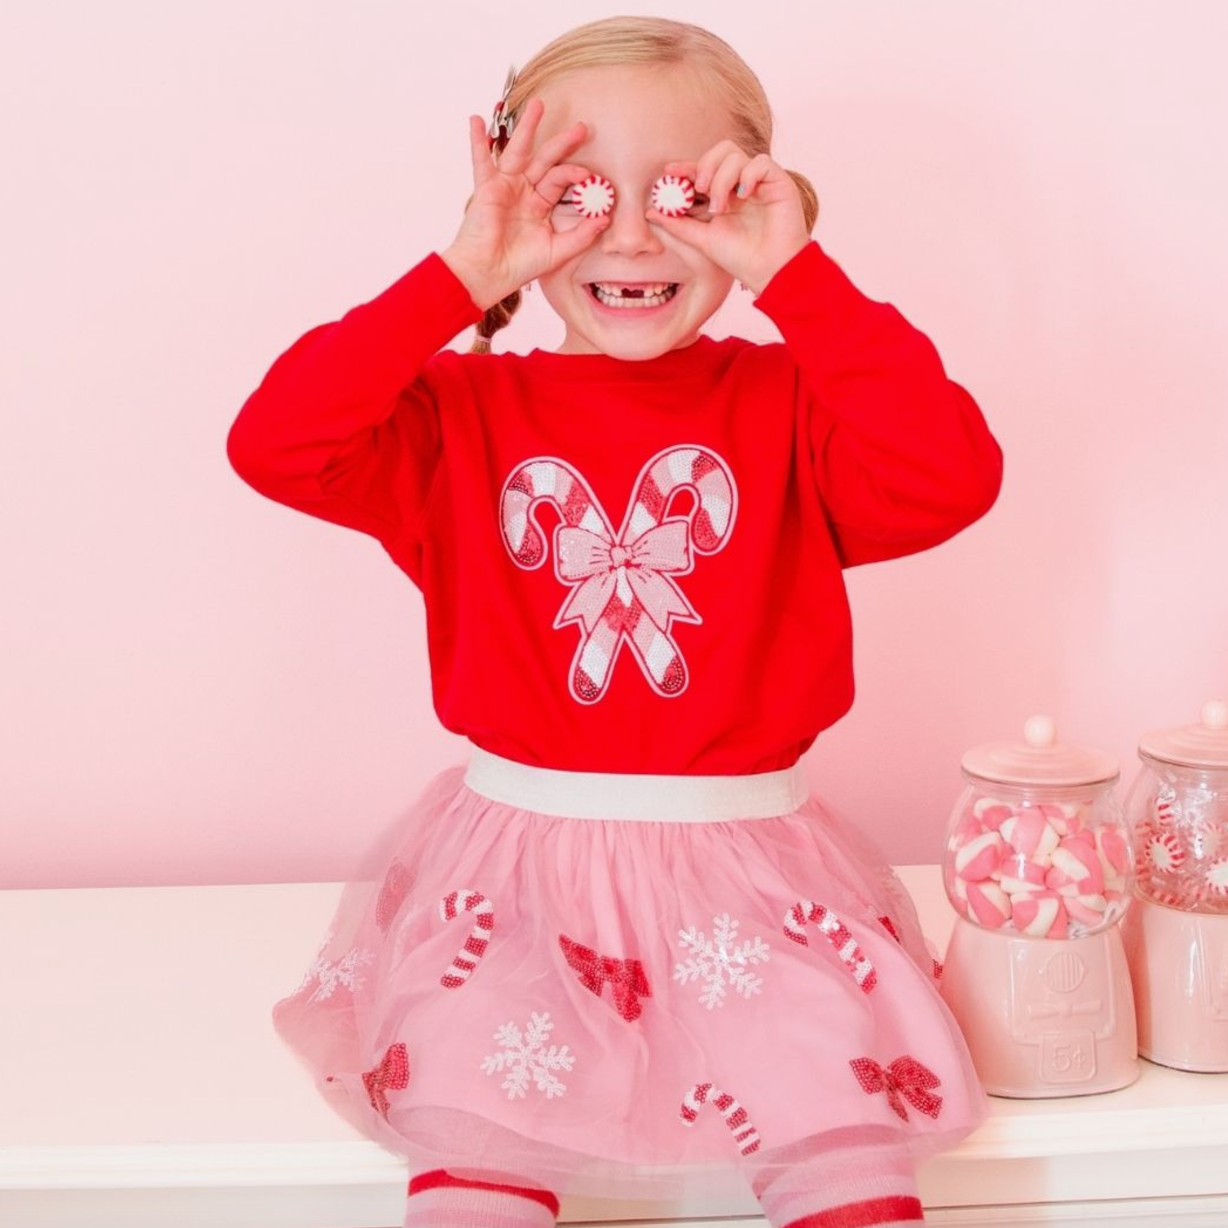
755, 222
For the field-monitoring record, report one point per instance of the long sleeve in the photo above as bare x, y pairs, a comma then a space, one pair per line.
345, 425
902, 455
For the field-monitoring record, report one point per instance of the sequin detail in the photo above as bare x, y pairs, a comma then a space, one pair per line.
622, 586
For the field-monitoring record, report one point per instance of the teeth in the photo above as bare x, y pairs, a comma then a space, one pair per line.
655, 295
617, 287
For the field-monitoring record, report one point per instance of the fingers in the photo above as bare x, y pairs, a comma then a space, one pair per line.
725, 179
514, 159
754, 173
552, 186
570, 243
479, 151
559, 146
688, 229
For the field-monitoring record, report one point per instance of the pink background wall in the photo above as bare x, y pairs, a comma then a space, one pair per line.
199, 686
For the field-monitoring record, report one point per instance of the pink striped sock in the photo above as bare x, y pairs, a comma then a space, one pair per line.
440, 1200
847, 1187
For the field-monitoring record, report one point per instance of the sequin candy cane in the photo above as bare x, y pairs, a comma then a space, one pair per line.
466, 900
837, 933
621, 585
736, 1118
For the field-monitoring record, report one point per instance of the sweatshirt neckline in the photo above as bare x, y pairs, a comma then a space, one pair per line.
687, 360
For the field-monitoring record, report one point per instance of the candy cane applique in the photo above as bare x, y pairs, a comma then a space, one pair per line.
622, 585
466, 900
736, 1117
837, 933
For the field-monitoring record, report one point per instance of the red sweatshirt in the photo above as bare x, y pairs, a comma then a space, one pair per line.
629, 566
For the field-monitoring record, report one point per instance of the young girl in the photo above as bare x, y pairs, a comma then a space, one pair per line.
623, 952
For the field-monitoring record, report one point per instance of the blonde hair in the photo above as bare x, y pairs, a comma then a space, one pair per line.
650, 40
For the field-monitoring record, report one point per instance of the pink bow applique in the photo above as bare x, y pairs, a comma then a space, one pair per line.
392, 1073
625, 975
600, 567
905, 1077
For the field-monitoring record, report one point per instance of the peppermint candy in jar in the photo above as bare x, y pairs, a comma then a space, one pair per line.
1037, 845
1179, 806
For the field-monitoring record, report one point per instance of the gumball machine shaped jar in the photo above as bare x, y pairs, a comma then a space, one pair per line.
1038, 866
1177, 935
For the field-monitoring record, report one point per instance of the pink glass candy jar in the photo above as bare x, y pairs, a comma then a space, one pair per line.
1177, 936
1038, 866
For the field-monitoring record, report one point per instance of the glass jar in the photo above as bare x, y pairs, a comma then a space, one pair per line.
1178, 807
1037, 845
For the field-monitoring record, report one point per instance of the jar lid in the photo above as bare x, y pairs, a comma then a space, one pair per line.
1039, 760
1202, 745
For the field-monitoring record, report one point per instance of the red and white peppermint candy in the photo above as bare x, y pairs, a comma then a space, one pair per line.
1215, 880
736, 1118
593, 196
1162, 894
673, 195
452, 904
1164, 851
837, 934
1166, 809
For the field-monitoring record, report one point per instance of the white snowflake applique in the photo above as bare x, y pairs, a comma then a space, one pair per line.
330, 975
525, 1055
721, 961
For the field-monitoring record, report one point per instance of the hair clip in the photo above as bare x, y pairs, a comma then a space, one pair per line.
673, 195
593, 196
503, 121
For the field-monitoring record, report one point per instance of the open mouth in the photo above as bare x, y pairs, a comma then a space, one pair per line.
631, 297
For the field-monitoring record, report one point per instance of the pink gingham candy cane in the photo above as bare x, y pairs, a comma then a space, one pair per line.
621, 584
466, 900
744, 1133
837, 934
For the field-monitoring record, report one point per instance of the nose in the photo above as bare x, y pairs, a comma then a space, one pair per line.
629, 232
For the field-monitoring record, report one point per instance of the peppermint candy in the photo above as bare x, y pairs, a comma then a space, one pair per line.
1215, 880
673, 195
593, 196
1164, 851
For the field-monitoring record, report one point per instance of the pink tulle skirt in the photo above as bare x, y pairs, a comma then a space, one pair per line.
628, 987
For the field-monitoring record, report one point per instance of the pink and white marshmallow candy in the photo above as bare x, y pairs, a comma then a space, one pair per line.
991, 812
1047, 875
1030, 833
979, 857
1080, 862
989, 904
1040, 915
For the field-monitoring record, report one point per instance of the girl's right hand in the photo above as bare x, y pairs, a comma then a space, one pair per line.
506, 238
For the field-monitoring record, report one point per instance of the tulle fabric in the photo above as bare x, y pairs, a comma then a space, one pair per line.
536, 1065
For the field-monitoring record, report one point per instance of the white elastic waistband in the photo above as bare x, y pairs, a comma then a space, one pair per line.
646, 798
